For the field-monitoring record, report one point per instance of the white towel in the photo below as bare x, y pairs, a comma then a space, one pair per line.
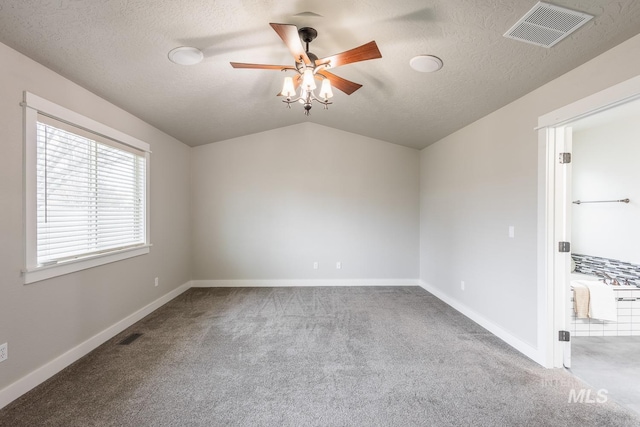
580, 299
602, 301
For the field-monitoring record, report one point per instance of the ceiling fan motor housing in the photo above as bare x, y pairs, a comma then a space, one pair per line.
312, 57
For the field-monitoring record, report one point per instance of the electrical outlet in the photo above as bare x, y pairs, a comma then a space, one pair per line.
156, 283
462, 285
338, 265
4, 352
315, 265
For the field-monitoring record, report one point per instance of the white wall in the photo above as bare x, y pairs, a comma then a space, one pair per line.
43, 320
266, 206
480, 180
606, 166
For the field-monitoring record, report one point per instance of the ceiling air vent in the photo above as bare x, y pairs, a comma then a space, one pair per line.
546, 24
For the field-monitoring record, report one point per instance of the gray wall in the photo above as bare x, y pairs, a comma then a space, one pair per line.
42, 320
266, 206
480, 180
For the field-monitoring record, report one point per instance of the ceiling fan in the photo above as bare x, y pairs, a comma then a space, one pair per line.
309, 67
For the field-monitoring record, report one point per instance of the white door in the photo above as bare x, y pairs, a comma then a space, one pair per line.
562, 260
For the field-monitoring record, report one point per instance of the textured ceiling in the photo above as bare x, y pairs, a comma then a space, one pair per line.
118, 50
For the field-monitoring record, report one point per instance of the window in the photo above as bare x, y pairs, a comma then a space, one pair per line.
86, 198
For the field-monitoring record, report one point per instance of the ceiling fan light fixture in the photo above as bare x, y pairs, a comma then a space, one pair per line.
308, 81
426, 63
185, 55
325, 89
287, 88
309, 67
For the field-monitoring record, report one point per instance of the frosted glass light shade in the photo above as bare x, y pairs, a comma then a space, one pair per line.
308, 81
287, 88
325, 89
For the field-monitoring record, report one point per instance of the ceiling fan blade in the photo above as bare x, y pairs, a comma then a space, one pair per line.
338, 82
357, 54
261, 66
289, 35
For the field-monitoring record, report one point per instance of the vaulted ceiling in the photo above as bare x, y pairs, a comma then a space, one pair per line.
118, 50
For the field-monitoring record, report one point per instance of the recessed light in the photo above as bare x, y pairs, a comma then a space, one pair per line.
185, 55
426, 63
309, 14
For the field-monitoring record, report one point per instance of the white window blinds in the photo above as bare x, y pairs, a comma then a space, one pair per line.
90, 193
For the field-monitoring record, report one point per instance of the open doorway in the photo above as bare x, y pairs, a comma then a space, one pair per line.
605, 231
587, 207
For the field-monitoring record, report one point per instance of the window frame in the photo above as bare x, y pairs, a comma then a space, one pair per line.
34, 105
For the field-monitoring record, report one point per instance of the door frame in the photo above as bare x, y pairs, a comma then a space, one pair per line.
552, 270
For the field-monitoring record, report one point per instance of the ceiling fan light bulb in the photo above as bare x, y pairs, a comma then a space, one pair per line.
287, 88
325, 89
308, 80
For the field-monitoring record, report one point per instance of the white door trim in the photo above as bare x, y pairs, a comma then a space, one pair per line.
549, 272
562, 233
593, 104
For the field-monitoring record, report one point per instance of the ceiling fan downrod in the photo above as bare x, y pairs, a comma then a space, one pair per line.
307, 35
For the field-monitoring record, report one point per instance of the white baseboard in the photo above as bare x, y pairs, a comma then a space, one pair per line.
289, 283
523, 347
31, 380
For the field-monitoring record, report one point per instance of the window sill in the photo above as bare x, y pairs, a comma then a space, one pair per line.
47, 272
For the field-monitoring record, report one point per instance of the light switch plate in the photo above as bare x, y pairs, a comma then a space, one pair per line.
4, 352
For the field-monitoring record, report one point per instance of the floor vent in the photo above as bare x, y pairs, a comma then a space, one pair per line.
547, 24
129, 339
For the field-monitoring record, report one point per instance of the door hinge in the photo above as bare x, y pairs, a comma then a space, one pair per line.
565, 158
564, 336
564, 247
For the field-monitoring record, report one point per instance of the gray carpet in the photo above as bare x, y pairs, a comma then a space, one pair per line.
309, 357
